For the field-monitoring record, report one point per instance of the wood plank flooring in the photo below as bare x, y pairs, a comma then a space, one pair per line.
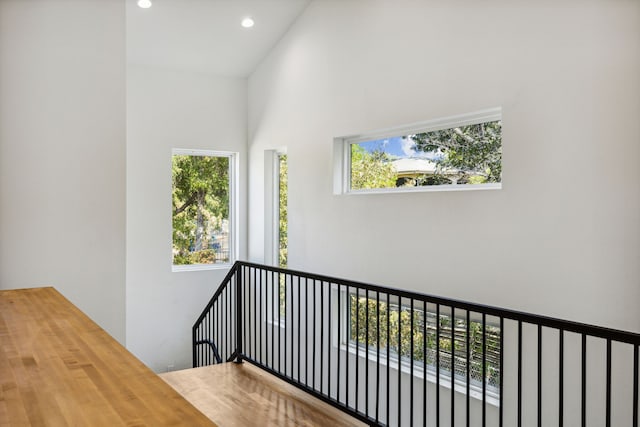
242, 395
58, 368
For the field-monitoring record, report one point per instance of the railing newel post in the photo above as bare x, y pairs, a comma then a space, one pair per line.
239, 350
194, 346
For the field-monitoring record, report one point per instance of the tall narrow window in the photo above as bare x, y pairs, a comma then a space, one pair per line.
202, 208
282, 210
282, 228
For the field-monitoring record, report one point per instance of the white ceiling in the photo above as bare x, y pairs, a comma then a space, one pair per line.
205, 35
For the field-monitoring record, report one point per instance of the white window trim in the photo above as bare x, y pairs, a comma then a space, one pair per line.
342, 152
233, 208
272, 204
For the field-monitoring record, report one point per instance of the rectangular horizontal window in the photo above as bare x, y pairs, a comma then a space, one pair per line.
379, 324
202, 208
453, 153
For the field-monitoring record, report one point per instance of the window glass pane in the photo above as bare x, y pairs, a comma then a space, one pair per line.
282, 210
200, 209
282, 228
399, 320
461, 155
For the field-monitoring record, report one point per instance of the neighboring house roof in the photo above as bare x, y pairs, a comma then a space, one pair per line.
417, 166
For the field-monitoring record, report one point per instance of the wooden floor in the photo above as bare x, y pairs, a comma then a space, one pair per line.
242, 395
58, 368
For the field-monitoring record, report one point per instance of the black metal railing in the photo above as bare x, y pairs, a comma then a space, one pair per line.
394, 357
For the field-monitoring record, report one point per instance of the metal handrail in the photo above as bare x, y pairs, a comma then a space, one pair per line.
230, 319
547, 321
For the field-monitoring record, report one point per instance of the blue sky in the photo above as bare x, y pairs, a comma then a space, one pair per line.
396, 147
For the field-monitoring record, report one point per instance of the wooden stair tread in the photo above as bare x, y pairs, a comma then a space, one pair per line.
243, 395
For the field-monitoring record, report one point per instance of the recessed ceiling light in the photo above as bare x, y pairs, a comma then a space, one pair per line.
247, 22
145, 4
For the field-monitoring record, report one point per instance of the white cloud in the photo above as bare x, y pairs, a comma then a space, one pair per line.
406, 145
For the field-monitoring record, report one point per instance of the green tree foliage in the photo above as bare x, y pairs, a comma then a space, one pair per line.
384, 325
200, 203
475, 150
283, 189
371, 170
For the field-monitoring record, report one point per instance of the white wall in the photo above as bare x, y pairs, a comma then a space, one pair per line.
172, 109
62, 152
561, 238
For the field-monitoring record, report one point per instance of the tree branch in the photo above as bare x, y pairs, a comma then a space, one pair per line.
186, 204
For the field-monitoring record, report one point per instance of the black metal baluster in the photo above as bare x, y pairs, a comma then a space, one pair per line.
248, 312
519, 373
313, 354
329, 370
411, 369
501, 414
255, 315
260, 318
239, 316
218, 340
399, 361
222, 308
438, 365
583, 409
539, 375
210, 333
377, 356
346, 349
299, 325
366, 354
635, 385
226, 324
242, 304
608, 407
339, 341
453, 364
468, 367
273, 321
230, 323
484, 369
357, 382
241, 332
289, 319
388, 358
561, 379
425, 363
228, 317
205, 330
281, 283
306, 335
321, 336
279, 329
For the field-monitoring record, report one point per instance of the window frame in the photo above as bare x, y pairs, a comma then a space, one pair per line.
233, 208
342, 153
272, 204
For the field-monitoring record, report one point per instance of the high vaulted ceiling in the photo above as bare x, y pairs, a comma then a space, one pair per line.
206, 35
